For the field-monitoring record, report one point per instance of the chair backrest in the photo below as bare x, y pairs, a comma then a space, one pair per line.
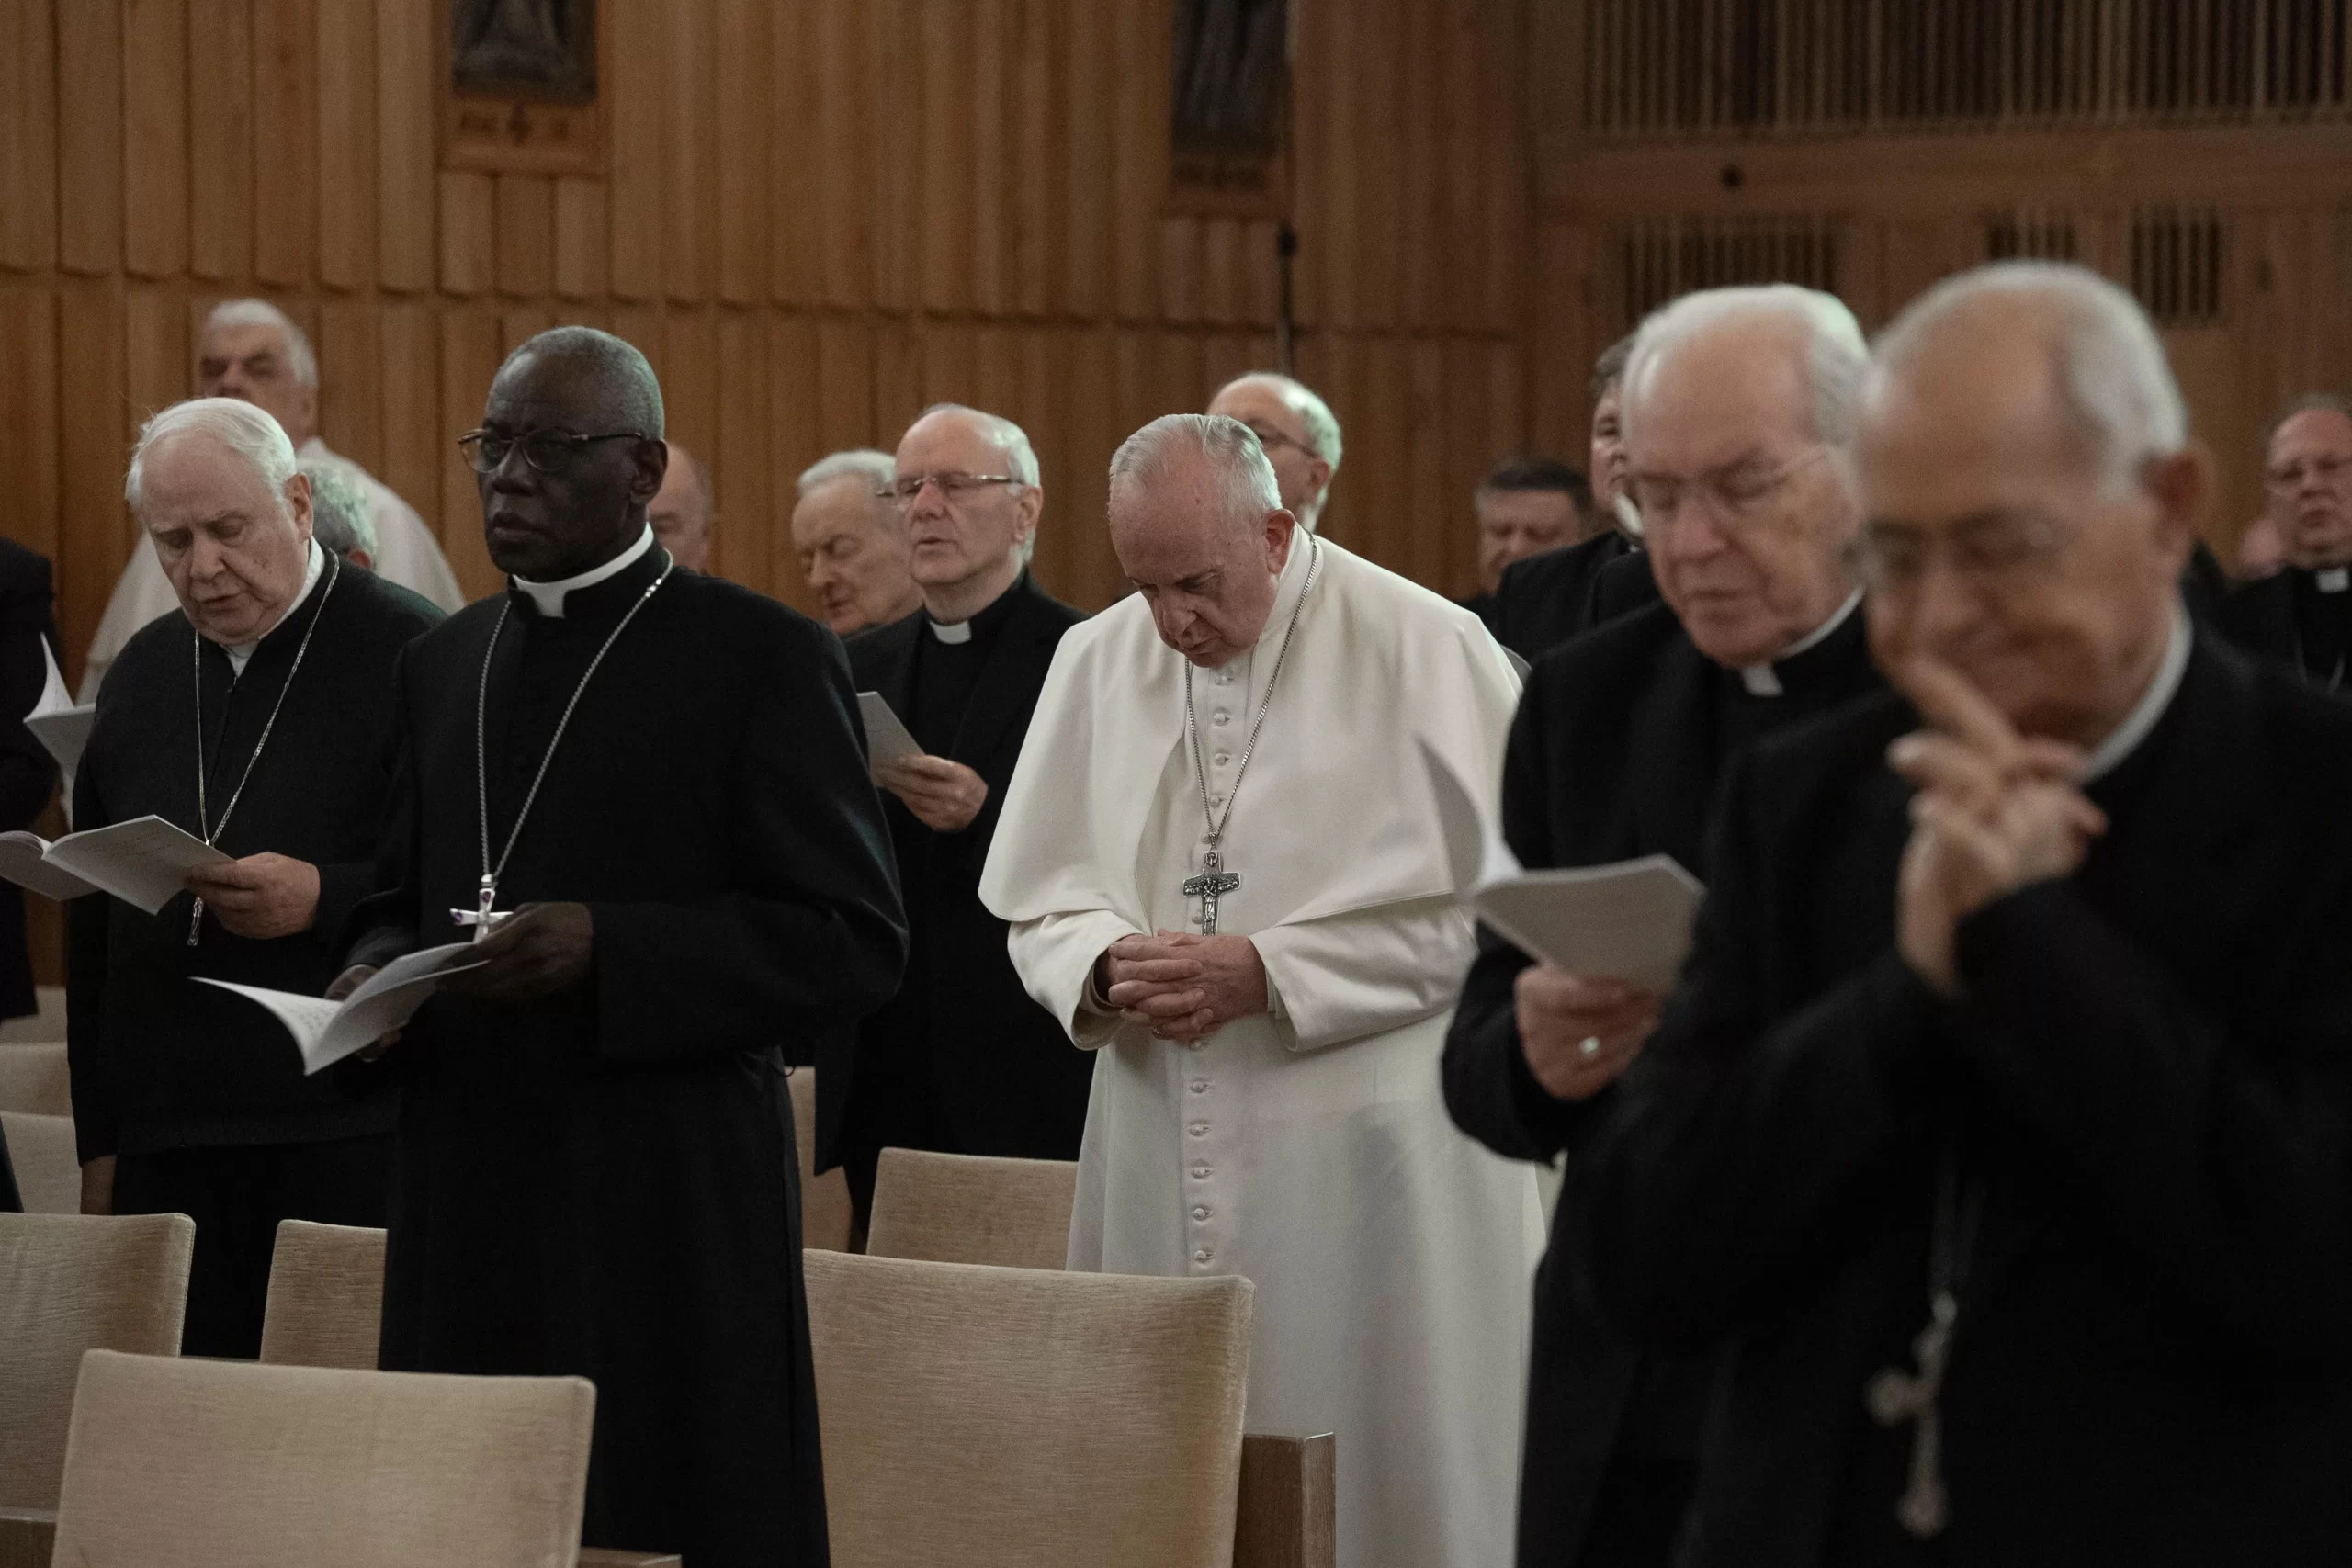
1016, 1418
326, 1296
40, 1150
35, 1078
228, 1464
70, 1283
966, 1209
825, 1213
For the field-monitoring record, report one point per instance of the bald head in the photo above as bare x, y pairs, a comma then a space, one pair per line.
682, 511
2029, 494
1296, 427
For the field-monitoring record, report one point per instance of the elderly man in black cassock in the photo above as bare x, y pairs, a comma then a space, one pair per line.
2301, 615
1738, 407
961, 1060
2001, 1118
651, 784
257, 717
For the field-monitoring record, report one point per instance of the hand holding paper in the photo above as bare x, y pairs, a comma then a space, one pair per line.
326, 1031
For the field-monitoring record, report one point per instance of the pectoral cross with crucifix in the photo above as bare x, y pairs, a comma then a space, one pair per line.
1895, 1396
483, 918
1213, 884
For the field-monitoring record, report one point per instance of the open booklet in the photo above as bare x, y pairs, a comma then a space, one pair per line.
1629, 921
887, 739
143, 861
327, 1032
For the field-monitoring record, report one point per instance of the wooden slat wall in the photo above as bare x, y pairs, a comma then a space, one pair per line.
816, 217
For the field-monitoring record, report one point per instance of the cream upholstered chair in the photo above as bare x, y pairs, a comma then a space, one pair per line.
41, 1151
1016, 1418
825, 1213
326, 1296
227, 1464
34, 1078
69, 1283
966, 1209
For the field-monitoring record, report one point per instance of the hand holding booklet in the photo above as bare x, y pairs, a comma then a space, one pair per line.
326, 1031
1628, 922
887, 739
143, 861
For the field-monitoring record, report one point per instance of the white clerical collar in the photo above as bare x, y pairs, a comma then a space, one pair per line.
548, 596
2333, 578
950, 631
1763, 681
2126, 736
240, 652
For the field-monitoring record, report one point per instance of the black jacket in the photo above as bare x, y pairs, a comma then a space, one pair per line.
2149, 1084
1005, 1072
159, 1062
28, 773
1545, 600
2266, 618
1619, 740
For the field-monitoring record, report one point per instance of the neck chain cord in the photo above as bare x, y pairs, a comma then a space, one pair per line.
1265, 705
205, 827
491, 871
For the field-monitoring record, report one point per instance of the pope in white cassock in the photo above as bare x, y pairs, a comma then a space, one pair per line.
1225, 875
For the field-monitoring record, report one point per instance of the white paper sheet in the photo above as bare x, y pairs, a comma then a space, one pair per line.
887, 740
325, 1033
21, 863
62, 729
143, 861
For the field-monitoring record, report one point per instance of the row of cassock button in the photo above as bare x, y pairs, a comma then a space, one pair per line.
1202, 1170
1221, 718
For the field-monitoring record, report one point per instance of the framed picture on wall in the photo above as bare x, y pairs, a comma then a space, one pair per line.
520, 86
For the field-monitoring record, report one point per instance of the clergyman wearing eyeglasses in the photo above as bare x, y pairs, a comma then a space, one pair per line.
2303, 615
961, 1060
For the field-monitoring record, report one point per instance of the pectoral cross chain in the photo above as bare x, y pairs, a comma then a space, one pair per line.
483, 918
1213, 884
1895, 1396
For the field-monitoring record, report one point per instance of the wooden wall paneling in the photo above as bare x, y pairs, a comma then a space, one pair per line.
1039, 255
408, 372
1261, 275
154, 137
746, 76
795, 399
407, 199
1183, 383
845, 374
1377, 239
747, 487
894, 188
581, 218
993, 171
640, 327
1224, 284
468, 231
1431, 255
897, 379
1046, 358
29, 414
1092, 431
1500, 104
795, 271
1180, 267
351, 416
1557, 355
286, 129
1380, 457
1329, 225
844, 237
1310, 157
1138, 154
27, 136
469, 357
1418, 547
690, 386
1087, 92
999, 382
1225, 355
517, 325
522, 234
220, 75
951, 369
944, 105
156, 364
346, 143
634, 123
1134, 383
94, 421
90, 138
689, 208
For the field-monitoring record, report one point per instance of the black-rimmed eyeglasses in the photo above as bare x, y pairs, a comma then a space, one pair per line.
548, 451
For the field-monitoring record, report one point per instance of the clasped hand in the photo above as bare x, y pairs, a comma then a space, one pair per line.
945, 796
537, 951
1995, 812
260, 897
1183, 987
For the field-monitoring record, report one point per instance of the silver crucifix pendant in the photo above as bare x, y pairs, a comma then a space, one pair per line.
1213, 884
1895, 1396
483, 918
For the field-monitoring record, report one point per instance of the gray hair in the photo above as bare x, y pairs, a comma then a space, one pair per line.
1835, 351
340, 519
616, 361
245, 430
1230, 448
300, 361
1313, 413
2109, 364
1010, 439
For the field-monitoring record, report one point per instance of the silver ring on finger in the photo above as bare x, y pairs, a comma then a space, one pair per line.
1589, 1047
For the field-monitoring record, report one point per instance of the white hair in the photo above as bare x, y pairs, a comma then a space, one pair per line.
1313, 413
1835, 351
2109, 364
1230, 448
1010, 441
340, 520
247, 431
874, 470
301, 363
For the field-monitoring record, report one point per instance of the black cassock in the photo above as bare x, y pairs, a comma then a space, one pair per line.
961, 1060
1546, 599
604, 1182
1615, 753
2300, 618
2146, 1102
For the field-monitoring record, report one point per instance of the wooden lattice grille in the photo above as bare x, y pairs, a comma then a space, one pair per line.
1666, 257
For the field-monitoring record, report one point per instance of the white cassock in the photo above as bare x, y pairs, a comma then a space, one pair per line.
406, 553
1308, 1151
